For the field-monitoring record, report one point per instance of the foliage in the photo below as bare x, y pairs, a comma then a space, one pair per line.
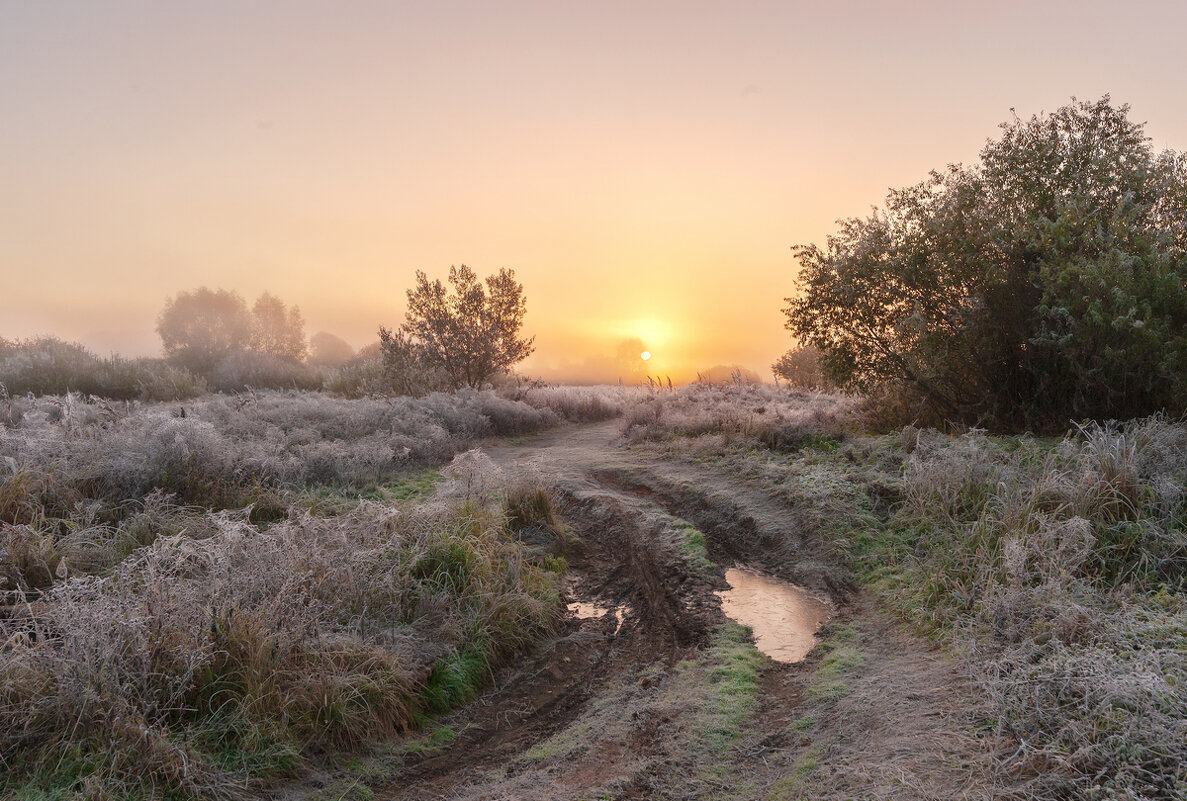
150, 649
199, 666
575, 404
1058, 569
50, 366
201, 329
1045, 283
469, 332
777, 419
408, 367
277, 330
327, 350
362, 376
800, 367
65, 457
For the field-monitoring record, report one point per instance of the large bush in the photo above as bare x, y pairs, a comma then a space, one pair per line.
1043, 284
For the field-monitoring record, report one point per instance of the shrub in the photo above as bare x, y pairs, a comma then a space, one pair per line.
360, 377
1044, 284
800, 367
1060, 570
198, 668
249, 369
466, 334
49, 366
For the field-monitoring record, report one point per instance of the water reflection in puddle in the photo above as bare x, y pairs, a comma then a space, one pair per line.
587, 610
784, 617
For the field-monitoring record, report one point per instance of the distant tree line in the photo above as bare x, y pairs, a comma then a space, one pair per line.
202, 329
463, 336
1044, 284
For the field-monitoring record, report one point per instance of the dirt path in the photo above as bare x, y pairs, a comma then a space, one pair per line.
666, 699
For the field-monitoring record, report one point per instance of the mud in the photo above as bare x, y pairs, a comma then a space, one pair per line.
588, 610
615, 706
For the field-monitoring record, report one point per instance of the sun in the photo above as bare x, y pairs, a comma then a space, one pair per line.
645, 355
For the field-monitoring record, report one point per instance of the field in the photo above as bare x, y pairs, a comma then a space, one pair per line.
300, 596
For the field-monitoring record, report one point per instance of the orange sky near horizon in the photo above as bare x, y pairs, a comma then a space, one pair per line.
643, 166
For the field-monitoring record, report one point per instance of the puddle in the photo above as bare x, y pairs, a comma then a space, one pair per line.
784, 617
587, 610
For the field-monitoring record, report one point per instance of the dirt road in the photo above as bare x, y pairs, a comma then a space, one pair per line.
657, 696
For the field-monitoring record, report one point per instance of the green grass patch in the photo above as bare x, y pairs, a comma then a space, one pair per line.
823, 443
436, 739
554, 564
412, 488
792, 787
730, 688
692, 541
454, 680
842, 654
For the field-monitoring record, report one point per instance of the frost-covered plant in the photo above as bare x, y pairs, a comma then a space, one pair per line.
1060, 569
197, 667
218, 450
773, 417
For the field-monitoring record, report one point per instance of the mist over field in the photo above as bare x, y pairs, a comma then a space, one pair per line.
644, 169
545, 401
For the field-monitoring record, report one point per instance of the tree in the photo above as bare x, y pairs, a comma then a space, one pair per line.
327, 350
800, 367
198, 329
468, 333
408, 369
201, 329
277, 330
1044, 283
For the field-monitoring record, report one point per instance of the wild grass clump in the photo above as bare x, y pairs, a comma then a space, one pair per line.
763, 416
223, 451
578, 404
249, 369
362, 376
530, 505
196, 668
50, 366
44, 550
1061, 567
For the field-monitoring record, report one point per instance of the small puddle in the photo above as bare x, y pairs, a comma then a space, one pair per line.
784, 617
587, 610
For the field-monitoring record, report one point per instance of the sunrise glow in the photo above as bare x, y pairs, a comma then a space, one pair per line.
644, 168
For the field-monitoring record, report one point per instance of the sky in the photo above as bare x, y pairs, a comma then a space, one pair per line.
644, 167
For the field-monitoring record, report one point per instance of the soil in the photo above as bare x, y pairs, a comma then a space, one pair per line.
616, 709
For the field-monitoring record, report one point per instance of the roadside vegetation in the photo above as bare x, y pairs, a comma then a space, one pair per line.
1054, 567
183, 614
